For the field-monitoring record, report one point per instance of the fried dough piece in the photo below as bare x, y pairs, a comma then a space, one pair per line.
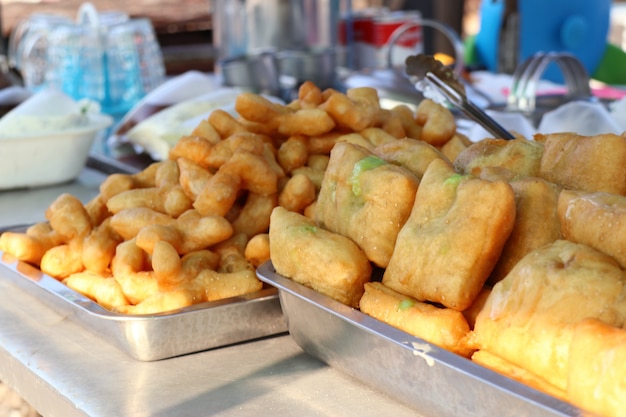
443, 327
355, 110
99, 248
193, 177
457, 144
104, 290
221, 285
438, 124
33, 244
597, 365
529, 316
595, 219
589, 163
536, 223
519, 155
128, 222
472, 311
497, 364
453, 238
406, 117
365, 199
325, 261
160, 302
63, 260
412, 154
68, 217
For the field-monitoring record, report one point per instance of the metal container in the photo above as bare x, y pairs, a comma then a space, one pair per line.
248, 27
157, 336
274, 45
426, 377
255, 72
316, 65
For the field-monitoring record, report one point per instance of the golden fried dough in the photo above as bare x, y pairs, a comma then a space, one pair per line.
68, 217
325, 261
356, 110
596, 219
453, 238
529, 316
443, 327
457, 144
415, 155
438, 124
589, 163
105, 290
536, 223
521, 156
597, 368
221, 285
365, 199
497, 364
23, 247
63, 260
472, 311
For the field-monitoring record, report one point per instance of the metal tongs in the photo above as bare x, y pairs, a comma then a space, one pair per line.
423, 67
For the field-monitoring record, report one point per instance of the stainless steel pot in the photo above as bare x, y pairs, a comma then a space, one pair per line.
272, 46
258, 73
316, 65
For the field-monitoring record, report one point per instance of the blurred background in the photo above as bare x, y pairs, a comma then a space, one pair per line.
184, 27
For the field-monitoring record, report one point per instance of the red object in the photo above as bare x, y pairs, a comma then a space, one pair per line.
373, 29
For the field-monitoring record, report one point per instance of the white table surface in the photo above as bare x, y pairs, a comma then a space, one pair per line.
64, 369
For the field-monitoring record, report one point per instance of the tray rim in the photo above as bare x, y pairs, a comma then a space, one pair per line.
51, 286
419, 347
144, 337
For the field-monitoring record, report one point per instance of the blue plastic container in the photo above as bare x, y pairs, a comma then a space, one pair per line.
579, 27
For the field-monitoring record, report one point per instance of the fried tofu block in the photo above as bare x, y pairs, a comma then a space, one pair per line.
588, 163
536, 223
520, 155
365, 199
325, 261
415, 155
453, 238
443, 327
529, 317
595, 219
597, 368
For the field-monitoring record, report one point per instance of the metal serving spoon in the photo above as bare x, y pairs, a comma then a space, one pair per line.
439, 83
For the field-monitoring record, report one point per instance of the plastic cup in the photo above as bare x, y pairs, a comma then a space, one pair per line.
105, 57
28, 47
152, 68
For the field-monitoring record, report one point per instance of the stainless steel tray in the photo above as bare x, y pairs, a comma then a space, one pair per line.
430, 379
153, 337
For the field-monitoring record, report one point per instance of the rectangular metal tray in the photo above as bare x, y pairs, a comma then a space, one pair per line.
430, 379
159, 336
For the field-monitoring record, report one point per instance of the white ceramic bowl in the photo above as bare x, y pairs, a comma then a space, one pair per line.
47, 158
